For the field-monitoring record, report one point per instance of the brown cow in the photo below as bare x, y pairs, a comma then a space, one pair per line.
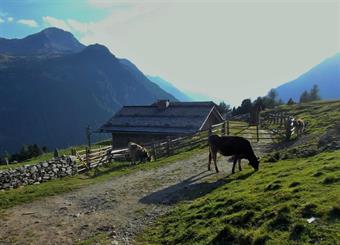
138, 153
235, 146
299, 125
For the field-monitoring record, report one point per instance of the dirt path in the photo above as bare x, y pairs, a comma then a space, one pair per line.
120, 207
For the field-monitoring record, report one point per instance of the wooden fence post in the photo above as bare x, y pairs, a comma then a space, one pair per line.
73, 152
154, 151
257, 133
223, 129
87, 156
108, 156
228, 128
88, 136
280, 117
210, 131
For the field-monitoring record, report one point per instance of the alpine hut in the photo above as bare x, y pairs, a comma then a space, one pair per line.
162, 119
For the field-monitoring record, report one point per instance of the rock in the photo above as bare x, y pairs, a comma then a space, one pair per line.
46, 177
83, 227
6, 186
76, 215
33, 169
105, 228
62, 209
35, 174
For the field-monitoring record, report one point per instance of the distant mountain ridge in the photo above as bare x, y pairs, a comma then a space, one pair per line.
168, 87
326, 75
54, 91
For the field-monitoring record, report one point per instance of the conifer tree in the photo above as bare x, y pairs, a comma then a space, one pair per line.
314, 93
305, 97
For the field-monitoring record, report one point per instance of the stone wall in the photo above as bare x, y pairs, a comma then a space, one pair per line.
41, 172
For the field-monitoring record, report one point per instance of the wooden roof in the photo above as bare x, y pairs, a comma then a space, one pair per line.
163, 117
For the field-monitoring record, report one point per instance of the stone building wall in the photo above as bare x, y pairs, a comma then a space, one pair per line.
38, 173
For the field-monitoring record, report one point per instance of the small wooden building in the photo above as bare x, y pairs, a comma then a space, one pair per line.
162, 119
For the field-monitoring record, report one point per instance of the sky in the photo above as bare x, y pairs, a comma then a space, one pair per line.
228, 50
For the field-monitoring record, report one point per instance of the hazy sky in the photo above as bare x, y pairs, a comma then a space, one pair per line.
229, 50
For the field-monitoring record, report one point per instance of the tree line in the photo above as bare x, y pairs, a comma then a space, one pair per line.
269, 101
26, 152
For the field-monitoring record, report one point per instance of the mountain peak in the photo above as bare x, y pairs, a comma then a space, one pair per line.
54, 29
326, 75
98, 47
51, 40
54, 32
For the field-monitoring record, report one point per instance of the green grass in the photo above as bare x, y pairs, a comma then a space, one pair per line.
25, 194
49, 155
270, 206
319, 116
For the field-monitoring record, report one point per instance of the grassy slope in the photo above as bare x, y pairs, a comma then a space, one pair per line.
49, 155
319, 116
270, 206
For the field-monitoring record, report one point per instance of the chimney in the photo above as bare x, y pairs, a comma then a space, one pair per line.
162, 104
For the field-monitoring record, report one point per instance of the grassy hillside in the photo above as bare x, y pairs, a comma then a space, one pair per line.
322, 131
274, 205
319, 115
271, 205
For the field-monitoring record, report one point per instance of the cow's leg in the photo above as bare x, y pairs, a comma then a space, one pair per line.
239, 164
209, 163
214, 156
234, 163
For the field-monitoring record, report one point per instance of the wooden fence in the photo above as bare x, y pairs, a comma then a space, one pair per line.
92, 158
283, 122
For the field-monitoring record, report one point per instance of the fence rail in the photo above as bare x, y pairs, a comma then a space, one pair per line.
92, 158
282, 120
